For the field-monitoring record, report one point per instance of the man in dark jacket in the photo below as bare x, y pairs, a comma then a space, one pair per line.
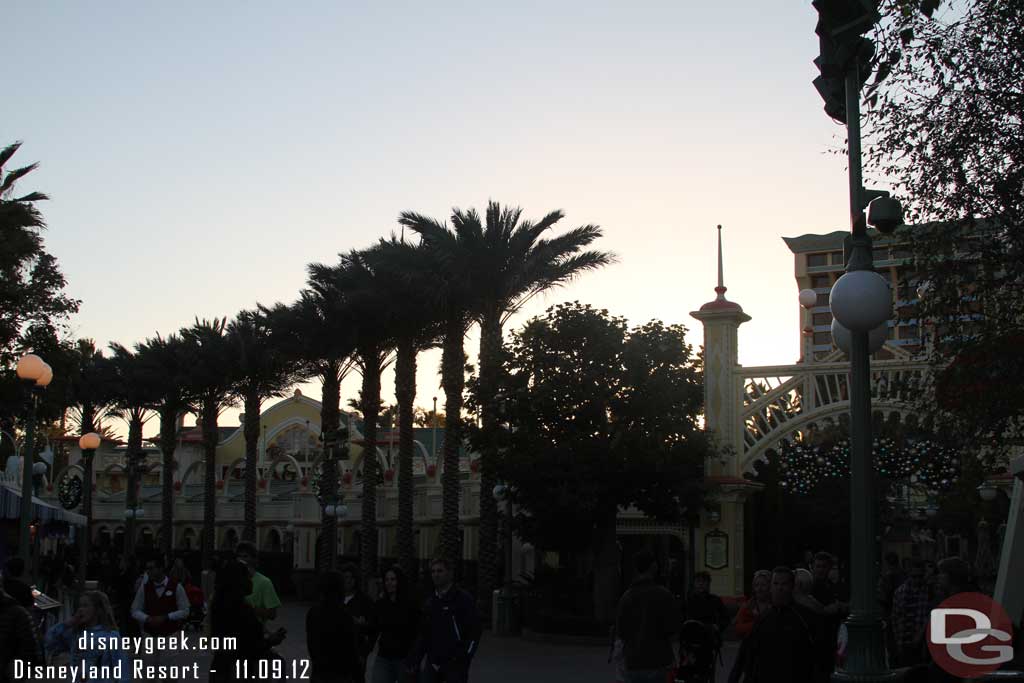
449, 631
780, 648
17, 639
647, 623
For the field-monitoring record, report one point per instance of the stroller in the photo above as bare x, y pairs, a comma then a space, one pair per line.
699, 650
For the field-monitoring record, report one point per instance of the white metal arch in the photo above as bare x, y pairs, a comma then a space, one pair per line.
798, 423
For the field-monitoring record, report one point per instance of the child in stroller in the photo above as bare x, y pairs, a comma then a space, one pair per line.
698, 652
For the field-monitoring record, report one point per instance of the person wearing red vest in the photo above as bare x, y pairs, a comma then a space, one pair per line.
161, 605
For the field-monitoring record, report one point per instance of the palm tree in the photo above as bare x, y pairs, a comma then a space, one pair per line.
448, 255
212, 373
263, 372
489, 270
163, 362
133, 396
316, 331
515, 263
415, 326
355, 282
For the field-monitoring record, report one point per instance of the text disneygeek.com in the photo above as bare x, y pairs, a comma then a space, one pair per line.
132, 647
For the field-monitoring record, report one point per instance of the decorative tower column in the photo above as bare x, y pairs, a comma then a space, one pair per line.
720, 538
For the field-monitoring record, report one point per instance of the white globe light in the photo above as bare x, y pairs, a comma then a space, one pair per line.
89, 442
808, 298
39, 468
861, 301
342, 511
844, 338
30, 367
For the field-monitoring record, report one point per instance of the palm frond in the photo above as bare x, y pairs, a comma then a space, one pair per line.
14, 176
7, 152
32, 197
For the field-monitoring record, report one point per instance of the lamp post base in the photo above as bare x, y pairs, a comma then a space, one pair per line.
865, 652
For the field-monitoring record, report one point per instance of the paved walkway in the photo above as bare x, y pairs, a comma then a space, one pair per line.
499, 660
502, 660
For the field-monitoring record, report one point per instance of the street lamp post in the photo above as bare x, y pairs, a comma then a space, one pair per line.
331, 501
132, 500
35, 375
860, 302
88, 443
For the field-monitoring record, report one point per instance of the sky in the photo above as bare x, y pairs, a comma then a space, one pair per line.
199, 155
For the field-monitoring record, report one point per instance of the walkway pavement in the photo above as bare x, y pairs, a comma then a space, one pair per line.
499, 660
502, 660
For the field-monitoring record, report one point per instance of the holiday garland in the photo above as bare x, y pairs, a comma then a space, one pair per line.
70, 492
924, 463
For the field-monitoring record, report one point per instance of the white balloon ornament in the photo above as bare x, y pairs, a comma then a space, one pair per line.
808, 298
844, 338
860, 300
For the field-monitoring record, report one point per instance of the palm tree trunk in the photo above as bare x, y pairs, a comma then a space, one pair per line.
252, 437
330, 412
405, 393
490, 368
370, 404
168, 439
453, 359
210, 438
134, 457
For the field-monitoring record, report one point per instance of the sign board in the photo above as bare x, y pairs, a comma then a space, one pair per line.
716, 549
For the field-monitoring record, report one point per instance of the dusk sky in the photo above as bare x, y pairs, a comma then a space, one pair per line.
199, 155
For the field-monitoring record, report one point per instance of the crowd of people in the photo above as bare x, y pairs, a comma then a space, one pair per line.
432, 641
790, 628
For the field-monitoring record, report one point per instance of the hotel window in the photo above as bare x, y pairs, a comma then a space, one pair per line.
822, 319
880, 254
821, 281
909, 332
822, 300
821, 338
817, 260
837, 258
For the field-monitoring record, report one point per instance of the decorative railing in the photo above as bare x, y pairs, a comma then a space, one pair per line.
783, 399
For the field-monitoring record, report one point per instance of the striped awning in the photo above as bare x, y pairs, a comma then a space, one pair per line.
10, 508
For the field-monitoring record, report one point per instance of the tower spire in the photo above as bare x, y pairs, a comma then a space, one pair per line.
720, 289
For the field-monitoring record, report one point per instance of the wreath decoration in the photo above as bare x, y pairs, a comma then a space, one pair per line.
70, 492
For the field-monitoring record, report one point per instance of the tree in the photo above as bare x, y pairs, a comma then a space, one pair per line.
212, 374
263, 372
163, 362
448, 254
31, 284
944, 125
133, 395
317, 331
602, 417
423, 417
512, 262
415, 325
357, 283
